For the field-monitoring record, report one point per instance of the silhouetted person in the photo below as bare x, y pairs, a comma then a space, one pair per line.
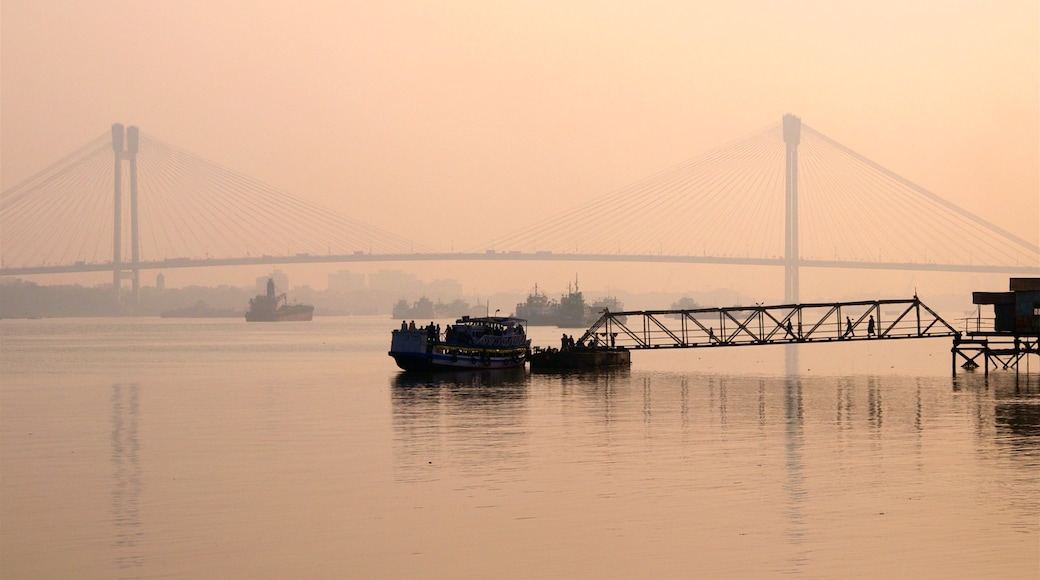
563, 342
711, 333
790, 329
848, 327
404, 325
411, 325
870, 326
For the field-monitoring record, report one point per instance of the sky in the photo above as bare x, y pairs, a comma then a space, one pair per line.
416, 117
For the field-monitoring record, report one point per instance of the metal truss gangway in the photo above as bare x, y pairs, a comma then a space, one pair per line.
758, 325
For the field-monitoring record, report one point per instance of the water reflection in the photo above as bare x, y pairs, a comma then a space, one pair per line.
472, 422
1005, 402
126, 489
794, 483
1016, 411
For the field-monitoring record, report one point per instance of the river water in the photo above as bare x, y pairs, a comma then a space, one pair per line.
134, 448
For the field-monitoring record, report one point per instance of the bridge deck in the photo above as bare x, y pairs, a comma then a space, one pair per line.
758, 325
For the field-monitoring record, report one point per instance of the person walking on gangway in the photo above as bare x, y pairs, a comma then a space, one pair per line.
870, 327
848, 328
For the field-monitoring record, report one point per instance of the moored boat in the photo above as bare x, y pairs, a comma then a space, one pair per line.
492, 342
538, 310
579, 358
276, 308
571, 311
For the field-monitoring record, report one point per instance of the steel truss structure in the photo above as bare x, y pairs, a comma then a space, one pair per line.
757, 325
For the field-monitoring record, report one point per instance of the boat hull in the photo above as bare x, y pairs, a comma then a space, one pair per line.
580, 359
424, 362
298, 313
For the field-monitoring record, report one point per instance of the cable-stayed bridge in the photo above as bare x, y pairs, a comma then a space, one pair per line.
786, 195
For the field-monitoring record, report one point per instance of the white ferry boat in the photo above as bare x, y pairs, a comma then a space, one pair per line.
481, 343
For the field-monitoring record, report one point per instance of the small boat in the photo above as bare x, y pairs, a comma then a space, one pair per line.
492, 342
276, 308
579, 358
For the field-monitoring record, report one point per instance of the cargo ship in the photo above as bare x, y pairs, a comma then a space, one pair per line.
276, 308
538, 310
571, 311
491, 342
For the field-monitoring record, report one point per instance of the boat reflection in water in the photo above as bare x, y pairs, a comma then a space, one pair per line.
513, 377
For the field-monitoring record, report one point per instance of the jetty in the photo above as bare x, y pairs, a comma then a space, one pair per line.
1007, 338
1002, 341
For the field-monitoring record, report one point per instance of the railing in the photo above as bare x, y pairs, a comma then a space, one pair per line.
977, 324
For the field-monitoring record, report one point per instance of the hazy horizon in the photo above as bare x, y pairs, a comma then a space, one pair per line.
413, 117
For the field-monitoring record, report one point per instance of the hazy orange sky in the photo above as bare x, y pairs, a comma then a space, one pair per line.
412, 115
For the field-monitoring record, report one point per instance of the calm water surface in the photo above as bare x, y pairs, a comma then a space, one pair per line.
216, 448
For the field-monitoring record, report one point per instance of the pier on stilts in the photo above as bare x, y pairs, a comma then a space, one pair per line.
1005, 340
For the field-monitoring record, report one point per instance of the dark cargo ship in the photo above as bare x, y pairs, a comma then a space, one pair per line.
276, 308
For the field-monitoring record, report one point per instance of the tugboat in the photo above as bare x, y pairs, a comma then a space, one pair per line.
266, 308
492, 342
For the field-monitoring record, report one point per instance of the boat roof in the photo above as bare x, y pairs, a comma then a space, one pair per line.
504, 320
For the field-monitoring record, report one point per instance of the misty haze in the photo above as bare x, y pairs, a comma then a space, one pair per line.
793, 250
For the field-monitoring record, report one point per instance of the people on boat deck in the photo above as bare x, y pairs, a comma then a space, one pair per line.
566, 342
411, 325
404, 325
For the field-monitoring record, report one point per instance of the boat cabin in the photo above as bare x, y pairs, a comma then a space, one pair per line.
1016, 311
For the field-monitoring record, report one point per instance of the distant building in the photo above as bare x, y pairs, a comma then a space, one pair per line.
395, 281
346, 281
444, 290
160, 282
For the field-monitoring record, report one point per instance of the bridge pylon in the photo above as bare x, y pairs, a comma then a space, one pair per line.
131, 138
792, 127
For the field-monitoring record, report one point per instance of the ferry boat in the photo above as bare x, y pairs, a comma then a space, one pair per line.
491, 342
266, 308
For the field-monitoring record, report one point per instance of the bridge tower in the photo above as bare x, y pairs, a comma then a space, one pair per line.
119, 272
792, 136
